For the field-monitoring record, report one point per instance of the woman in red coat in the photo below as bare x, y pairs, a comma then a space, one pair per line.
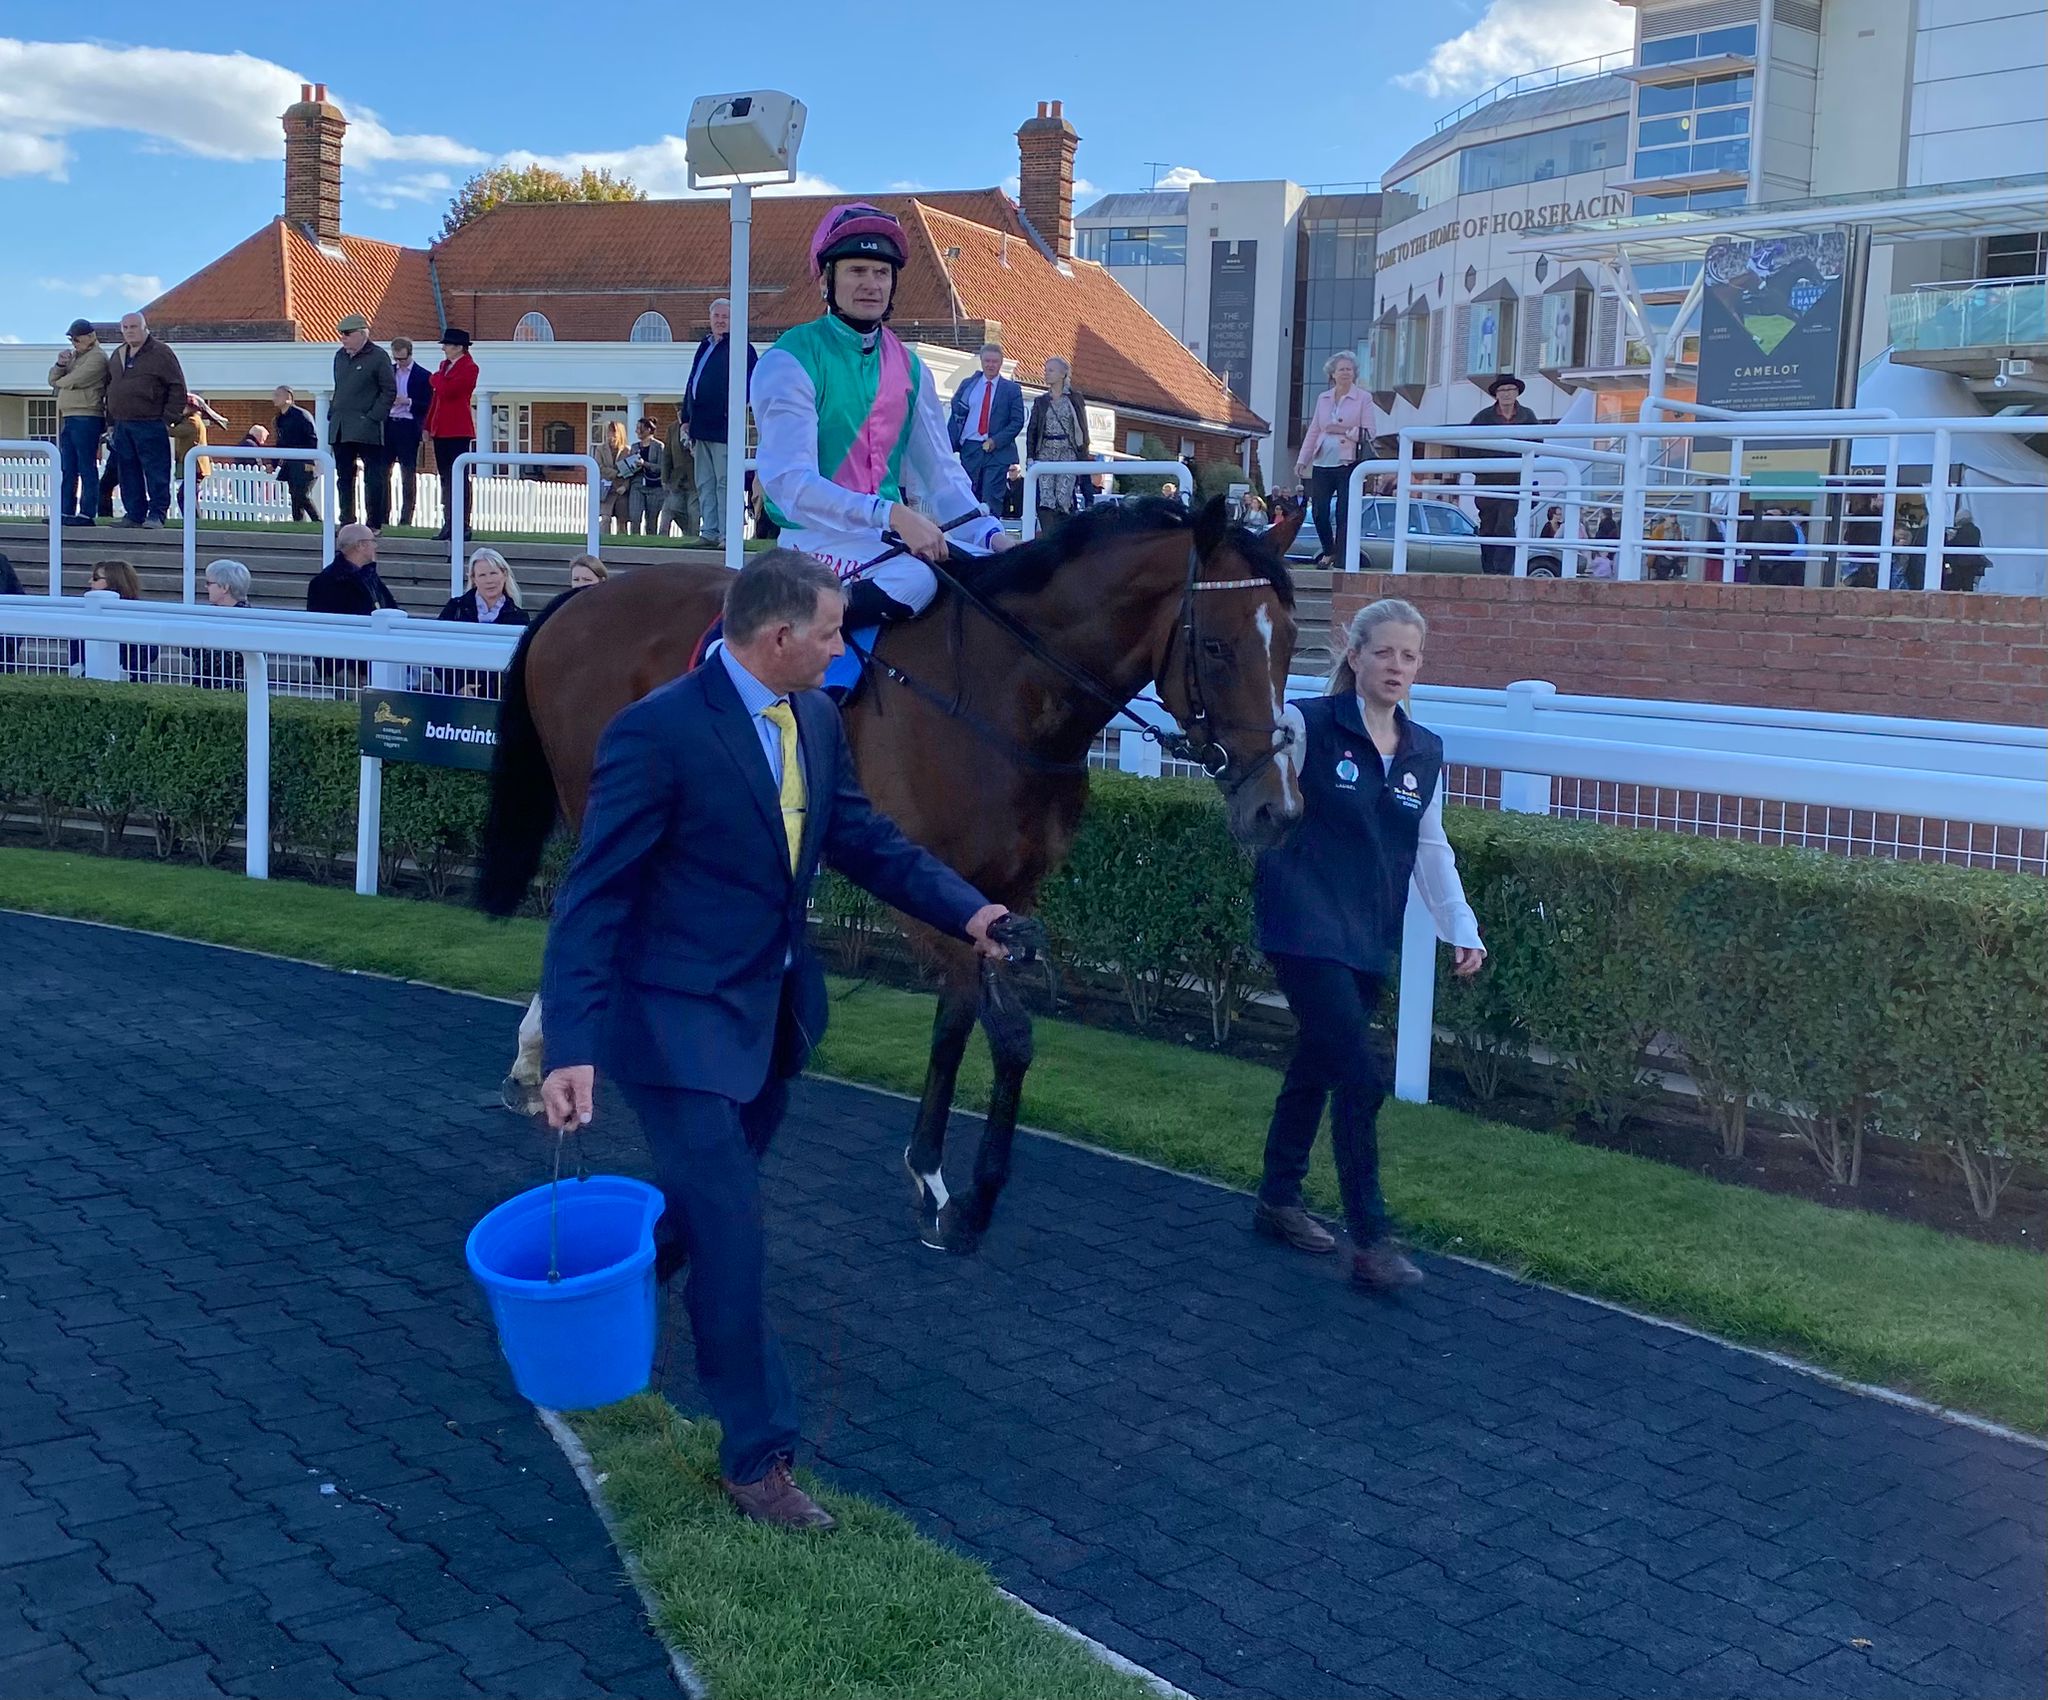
451, 421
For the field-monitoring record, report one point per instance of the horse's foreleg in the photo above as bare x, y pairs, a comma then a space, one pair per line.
925, 1155
1008, 1025
521, 1090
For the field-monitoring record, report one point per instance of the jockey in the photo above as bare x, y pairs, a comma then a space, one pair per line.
847, 417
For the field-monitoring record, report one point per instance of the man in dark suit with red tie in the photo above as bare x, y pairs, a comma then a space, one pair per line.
984, 423
677, 961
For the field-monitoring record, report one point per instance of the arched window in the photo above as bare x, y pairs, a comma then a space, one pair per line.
533, 327
650, 327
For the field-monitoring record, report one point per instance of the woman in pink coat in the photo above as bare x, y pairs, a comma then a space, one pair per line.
1339, 435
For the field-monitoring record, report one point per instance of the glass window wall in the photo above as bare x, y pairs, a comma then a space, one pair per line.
1135, 244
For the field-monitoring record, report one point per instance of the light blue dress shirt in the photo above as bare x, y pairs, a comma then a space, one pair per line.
757, 699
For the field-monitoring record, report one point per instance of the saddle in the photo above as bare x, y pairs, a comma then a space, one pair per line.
842, 679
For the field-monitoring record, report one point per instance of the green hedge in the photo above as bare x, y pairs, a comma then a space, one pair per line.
1858, 996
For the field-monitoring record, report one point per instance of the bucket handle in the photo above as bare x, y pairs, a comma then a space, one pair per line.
554, 1196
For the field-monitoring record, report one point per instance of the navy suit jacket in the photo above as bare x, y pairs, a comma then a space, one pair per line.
1005, 423
679, 921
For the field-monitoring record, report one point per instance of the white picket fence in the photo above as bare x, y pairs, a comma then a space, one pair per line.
254, 493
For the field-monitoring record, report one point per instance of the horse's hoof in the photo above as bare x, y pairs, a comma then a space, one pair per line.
518, 1096
927, 1203
959, 1230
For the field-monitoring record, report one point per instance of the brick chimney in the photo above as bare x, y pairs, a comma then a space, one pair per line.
1045, 176
313, 126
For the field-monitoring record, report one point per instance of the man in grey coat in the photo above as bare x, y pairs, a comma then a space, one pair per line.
364, 389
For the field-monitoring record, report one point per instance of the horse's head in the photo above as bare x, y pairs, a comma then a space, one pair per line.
1222, 670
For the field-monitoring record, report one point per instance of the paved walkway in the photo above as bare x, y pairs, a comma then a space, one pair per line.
231, 1251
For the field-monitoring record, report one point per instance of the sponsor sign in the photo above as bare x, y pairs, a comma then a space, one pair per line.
1504, 223
1233, 305
435, 731
1772, 322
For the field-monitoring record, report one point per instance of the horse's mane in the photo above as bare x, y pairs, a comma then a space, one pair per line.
1029, 567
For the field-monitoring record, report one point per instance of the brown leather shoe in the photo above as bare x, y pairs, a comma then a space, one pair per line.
1294, 1226
776, 1499
1382, 1268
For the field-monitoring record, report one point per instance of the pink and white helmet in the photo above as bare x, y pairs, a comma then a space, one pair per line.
857, 231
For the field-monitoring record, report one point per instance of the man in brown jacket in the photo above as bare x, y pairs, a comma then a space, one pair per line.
80, 380
145, 398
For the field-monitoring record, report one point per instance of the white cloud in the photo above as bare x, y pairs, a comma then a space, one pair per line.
661, 167
1013, 186
9, 337
1513, 36
118, 286
215, 105
1181, 176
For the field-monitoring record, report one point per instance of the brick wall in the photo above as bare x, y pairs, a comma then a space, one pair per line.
1941, 655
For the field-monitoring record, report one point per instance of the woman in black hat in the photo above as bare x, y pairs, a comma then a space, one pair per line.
451, 421
1496, 516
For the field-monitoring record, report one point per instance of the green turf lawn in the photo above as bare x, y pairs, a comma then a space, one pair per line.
1947, 1318
871, 1609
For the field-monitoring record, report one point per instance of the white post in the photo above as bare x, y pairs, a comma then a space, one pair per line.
102, 658
1525, 793
384, 676
188, 495
1404, 473
1937, 512
1890, 515
742, 214
256, 809
89, 497
1525, 490
1136, 753
1628, 555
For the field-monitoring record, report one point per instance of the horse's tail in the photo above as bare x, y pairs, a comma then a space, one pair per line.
522, 808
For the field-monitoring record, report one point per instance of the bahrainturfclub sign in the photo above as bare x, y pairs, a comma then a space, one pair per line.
437, 731
1772, 322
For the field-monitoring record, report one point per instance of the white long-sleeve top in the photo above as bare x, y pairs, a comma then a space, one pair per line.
842, 526
1436, 879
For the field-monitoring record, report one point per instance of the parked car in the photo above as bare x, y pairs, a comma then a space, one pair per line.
1441, 539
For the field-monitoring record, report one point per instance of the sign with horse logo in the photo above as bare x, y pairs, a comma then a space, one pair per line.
435, 731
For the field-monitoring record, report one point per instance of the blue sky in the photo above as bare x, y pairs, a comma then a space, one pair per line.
140, 153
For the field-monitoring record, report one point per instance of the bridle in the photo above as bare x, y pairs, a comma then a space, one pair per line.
1197, 739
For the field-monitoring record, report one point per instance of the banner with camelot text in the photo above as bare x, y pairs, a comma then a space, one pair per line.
433, 730
1772, 322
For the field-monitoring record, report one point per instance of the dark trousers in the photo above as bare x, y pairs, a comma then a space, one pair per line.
298, 480
707, 1152
1496, 519
1329, 507
990, 478
402, 444
446, 449
110, 481
142, 451
374, 461
1335, 1059
78, 465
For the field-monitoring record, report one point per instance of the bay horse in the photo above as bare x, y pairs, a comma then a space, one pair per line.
972, 731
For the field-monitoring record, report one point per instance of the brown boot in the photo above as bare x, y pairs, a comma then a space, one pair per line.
1382, 1268
776, 1499
1294, 1226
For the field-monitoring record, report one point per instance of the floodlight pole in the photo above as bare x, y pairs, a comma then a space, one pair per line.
736, 381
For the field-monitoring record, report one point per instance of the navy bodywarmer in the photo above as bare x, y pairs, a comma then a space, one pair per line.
1337, 888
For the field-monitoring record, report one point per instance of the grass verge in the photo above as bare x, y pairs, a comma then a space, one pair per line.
1949, 1319
873, 1608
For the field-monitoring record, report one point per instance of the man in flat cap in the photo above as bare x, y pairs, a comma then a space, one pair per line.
364, 389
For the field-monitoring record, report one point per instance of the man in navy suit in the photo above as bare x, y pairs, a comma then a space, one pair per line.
986, 419
677, 961
405, 422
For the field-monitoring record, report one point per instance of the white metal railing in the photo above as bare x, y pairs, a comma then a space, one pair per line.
1985, 775
1528, 463
499, 457
1901, 537
31, 464
1176, 470
188, 507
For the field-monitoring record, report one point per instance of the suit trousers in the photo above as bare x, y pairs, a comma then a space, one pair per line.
1335, 1058
707, 1151
990, 478
710, 460
374, 461
402, 443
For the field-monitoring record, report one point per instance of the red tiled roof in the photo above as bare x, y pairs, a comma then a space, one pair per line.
1118, 351
281, 277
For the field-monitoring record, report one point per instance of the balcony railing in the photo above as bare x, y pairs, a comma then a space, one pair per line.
1983, 313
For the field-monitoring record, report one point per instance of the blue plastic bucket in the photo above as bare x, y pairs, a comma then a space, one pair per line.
587, 1339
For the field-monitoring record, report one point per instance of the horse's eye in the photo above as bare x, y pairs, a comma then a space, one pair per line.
1217, 650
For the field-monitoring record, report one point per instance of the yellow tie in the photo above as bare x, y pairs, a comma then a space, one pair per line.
778, 715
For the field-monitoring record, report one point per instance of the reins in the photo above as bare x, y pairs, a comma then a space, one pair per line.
1195, 743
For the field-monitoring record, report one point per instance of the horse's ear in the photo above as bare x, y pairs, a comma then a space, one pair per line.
1212, 520
1278, 537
